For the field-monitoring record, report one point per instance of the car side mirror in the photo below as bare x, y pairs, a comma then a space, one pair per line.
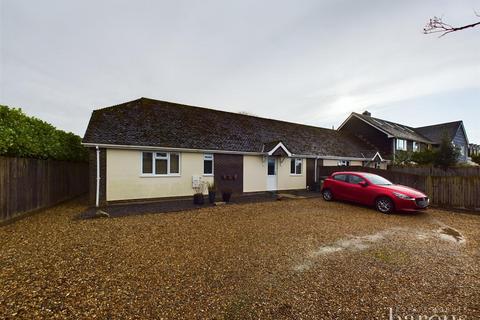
363, 183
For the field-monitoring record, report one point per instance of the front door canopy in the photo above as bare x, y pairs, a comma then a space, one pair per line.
279, 149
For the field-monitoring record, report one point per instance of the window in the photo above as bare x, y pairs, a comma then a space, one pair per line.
340, 177
296, 166
402, 144
416, 146
208, 164
355, 179
147, 163
462, 150
376, 179
160, 163
343, 163
271, 167
174, 163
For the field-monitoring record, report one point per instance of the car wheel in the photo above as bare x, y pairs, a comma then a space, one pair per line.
384, 205
327, 195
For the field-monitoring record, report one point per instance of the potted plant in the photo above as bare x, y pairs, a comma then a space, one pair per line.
212, 190
198, 195
226, 194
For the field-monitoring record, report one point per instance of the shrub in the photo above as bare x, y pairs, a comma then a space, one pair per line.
424, 157
476, 158
24, 136
403, 157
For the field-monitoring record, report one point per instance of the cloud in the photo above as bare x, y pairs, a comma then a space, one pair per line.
304, 61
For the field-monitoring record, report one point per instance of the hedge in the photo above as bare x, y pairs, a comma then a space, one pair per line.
29, 137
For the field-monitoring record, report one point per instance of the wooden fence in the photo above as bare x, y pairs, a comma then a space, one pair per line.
462, 192
431, 171
30, 184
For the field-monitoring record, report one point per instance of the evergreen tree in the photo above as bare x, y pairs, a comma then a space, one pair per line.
447, 154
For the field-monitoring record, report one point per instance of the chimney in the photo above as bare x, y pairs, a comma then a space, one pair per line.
366, 113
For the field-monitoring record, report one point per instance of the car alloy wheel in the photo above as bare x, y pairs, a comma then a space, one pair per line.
384, 205
327, 195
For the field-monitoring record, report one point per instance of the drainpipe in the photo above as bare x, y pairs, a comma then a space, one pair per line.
316, 160
394, 147
97, 196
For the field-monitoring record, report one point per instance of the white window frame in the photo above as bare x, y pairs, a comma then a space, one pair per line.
155, 156
205, 156
415, 146
343, 163
296, 161
401, 144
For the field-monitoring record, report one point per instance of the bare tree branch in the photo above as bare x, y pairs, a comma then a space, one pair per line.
436, 25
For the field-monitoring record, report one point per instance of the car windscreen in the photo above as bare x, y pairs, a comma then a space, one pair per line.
374, 179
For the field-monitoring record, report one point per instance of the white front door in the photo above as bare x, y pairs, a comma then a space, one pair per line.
271, 174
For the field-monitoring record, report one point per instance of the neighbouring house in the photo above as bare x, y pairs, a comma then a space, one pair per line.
473, 150
147, 149
390, 137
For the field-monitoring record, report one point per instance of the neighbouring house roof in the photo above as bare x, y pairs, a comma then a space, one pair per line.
429, 134
147, 122
436, 132
393, 129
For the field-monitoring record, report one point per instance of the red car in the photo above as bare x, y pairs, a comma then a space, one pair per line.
373, 190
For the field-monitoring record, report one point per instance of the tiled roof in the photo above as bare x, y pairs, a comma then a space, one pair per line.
147, 122
395, 129
436, 132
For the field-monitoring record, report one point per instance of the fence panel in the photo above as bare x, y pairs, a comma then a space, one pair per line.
29, 184
431, 171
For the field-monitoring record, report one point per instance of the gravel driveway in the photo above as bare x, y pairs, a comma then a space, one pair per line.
294, 259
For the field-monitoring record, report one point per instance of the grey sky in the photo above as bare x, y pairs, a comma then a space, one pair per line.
303, 61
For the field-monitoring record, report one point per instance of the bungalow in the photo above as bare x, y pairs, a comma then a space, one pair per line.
147, 149
390, 137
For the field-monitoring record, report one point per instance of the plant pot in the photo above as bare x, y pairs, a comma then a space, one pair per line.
226, 196
198, 199
211, 196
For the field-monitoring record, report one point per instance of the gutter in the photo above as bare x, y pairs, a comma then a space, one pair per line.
150, 148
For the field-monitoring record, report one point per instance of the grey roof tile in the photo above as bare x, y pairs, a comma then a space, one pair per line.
147, 122
395, 129
436, 132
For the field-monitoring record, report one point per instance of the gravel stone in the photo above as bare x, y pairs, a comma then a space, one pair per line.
295, 259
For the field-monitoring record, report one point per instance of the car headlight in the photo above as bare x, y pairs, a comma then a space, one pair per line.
403, 196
